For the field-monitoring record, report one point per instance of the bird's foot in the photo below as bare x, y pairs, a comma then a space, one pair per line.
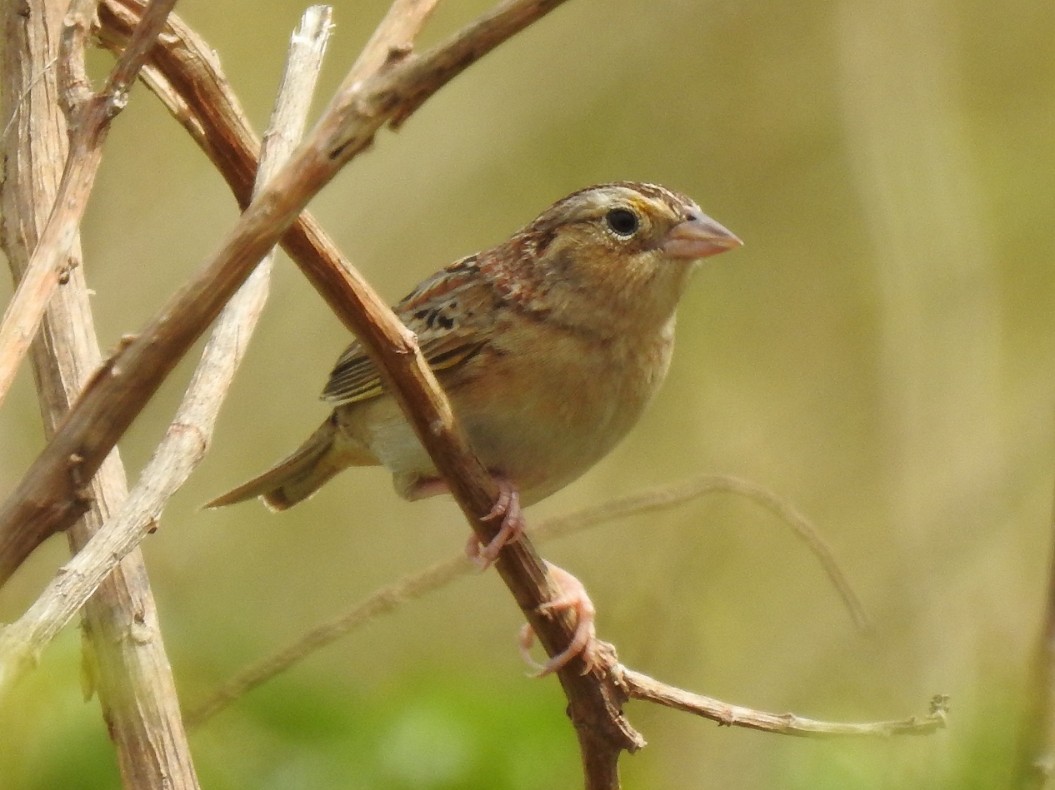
573, 597
507, 508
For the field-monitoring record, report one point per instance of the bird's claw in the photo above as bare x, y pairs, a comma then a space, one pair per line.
573, 596
506, 507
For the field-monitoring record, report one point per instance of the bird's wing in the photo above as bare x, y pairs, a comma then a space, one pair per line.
450, 312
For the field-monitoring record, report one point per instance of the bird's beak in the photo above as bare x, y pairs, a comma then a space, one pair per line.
698, 237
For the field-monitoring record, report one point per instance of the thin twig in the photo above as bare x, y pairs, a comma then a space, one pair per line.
89, 122
642, 687
665, 496
382, 601
390, 597
187, 438
393, 38
185, 74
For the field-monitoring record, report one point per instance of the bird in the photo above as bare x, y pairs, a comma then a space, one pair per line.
549, 346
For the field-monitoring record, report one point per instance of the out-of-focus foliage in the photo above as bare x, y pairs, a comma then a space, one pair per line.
881, 352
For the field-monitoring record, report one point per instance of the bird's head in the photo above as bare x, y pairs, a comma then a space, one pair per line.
624, 248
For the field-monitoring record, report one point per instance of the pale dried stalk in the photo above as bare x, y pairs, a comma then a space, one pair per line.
186, 440
667, 495
130, 669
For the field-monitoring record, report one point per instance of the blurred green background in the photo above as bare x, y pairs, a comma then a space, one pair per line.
880, 352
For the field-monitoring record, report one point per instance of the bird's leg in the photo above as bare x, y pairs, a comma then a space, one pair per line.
573, 596
507, 508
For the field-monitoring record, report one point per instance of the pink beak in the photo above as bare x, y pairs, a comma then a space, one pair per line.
697, 238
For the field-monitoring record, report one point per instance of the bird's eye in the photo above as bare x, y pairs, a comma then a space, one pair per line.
622, 221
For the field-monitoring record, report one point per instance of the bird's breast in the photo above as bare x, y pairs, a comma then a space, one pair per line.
544, 406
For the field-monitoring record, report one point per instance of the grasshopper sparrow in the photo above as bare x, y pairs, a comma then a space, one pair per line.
549, 346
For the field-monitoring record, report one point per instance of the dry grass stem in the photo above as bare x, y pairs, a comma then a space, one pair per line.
187, 438
665, 496
383, 601
125, 657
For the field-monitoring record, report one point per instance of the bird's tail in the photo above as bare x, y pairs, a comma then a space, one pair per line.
299, 475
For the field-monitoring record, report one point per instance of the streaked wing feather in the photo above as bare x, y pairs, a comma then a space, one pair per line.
449, 312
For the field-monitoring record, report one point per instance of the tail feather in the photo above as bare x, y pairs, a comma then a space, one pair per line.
300, 474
